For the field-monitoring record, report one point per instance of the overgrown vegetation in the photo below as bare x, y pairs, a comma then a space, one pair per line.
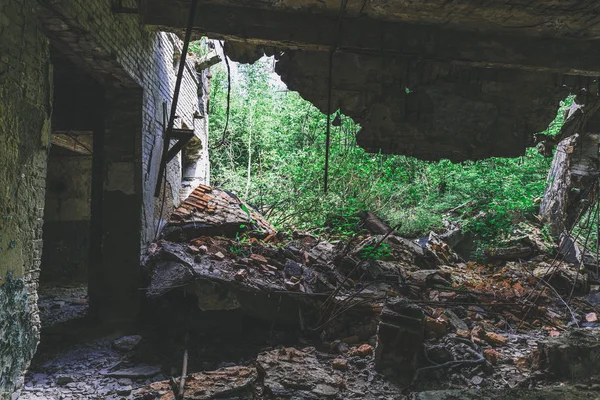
273, 155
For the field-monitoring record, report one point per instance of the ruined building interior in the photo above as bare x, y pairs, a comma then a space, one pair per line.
87, 90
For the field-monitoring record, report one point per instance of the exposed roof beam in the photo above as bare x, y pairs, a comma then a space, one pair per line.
78, 141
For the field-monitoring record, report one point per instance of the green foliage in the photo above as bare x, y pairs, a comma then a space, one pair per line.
199, 47
273, 156
554, 127
374, 252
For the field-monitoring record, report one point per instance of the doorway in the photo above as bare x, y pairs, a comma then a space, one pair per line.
67, 237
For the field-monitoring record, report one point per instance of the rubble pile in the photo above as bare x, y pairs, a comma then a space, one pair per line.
377, 313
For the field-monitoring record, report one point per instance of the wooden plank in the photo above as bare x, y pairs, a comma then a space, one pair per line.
77, 142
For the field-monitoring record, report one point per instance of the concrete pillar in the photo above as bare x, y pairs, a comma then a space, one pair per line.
116, 209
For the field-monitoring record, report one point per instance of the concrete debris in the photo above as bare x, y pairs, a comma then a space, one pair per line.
400, 337
564, 277
340, 364
378, 309
127, 343
289, 372
442, 250
79, 370
551, 393
509, 253
64, 379
225, 383
573, 355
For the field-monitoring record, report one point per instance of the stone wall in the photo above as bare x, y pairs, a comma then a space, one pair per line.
136, 68
25, 108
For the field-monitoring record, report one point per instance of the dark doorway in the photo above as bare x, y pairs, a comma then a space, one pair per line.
67, 237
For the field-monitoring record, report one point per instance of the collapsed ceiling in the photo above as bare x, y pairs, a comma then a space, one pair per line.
456, 79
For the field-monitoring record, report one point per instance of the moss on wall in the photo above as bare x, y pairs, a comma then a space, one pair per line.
18, 338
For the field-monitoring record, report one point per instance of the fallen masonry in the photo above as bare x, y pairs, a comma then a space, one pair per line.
266, 315
376, 315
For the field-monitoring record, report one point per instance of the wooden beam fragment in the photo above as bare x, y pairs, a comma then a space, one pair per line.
78, 141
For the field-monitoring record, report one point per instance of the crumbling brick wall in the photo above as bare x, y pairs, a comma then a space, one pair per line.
126, 58
25, 107
116, 49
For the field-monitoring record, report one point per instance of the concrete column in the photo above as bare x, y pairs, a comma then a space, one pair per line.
116, 209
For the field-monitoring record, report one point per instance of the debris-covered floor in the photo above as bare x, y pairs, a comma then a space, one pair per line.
267, 315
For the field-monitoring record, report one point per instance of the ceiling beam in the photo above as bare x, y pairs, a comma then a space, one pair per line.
316, 32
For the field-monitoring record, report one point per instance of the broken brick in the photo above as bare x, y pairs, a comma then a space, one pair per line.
495, 339
364, 350
522, 363
492, 356
435, 328
257, 258
463, 333
241, 275
340, 364
591, 317
193, 249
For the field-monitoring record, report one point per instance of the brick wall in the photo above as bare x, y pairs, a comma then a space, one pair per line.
118, 51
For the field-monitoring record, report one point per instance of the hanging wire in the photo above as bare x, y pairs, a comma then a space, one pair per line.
343, 5
227, 112
328, 134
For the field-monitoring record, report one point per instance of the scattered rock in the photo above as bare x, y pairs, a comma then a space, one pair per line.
127, 343
289, 372
225, 383
476, 380
455, 321
591, 317
400, 337
219, 256
258, 259
364, 350
64, 380
563, 276
340, 364
573, 355
492, 356
495, 339
124, 390
435, 328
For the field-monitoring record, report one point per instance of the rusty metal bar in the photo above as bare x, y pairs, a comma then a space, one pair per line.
167, 134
